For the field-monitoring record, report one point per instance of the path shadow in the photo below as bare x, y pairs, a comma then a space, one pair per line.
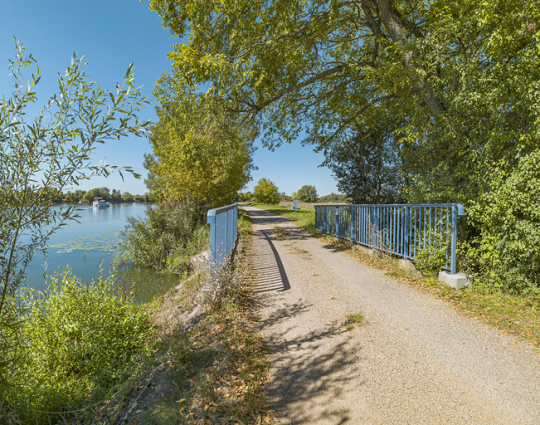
261, 217
307, 373
269, 267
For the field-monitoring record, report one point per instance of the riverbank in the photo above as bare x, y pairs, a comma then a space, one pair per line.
210, 364
189, 358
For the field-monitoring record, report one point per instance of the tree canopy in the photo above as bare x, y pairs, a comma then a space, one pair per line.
306, 193
368, 167
461, 76
455, 83
199, 150
266, 192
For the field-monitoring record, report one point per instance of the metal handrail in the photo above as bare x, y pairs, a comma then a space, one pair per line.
400, 229
223, 233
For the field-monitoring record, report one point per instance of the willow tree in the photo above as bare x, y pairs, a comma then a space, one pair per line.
41, 157
199, 150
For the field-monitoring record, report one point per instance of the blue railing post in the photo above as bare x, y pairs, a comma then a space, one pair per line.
336, 219
353, 223
454, 239
406, 249
211, 220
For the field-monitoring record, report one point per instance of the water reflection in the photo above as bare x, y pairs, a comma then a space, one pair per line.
91, 244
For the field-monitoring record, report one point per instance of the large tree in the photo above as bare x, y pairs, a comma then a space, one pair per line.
199, 150
462, 75
306, 193
266, 192
368, 166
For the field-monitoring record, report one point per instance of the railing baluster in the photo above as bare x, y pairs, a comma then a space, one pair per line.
399, 229
223, 232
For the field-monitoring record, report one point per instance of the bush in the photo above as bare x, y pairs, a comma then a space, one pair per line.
266, 192
78, 341
506, 255
172, 229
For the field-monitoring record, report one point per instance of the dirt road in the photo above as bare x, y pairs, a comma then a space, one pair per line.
413, 360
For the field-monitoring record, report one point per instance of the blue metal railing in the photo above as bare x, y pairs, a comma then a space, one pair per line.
400, 229
223, 232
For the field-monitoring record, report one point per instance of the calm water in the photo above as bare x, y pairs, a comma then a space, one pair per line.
93, 241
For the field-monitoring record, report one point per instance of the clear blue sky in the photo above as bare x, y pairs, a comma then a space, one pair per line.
111, 34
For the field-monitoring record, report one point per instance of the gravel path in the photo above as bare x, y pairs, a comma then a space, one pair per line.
413, 360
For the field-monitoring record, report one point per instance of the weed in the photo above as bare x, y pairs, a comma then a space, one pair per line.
354, 318
80, 341
219, 369
295, 250
349, 327
166, 237
244, 223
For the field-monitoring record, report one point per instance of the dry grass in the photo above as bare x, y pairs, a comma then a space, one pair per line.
216, 371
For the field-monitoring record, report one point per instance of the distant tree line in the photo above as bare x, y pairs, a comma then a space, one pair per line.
114, 196
267, 192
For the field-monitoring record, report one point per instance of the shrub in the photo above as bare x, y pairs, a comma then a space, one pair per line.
432, 259
167, 230
307, 193
507, 253
78, 341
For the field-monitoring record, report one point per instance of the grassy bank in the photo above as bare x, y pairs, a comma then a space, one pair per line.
89, 354
211, 368
512, 314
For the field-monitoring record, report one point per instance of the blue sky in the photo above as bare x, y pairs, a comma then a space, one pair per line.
111, 34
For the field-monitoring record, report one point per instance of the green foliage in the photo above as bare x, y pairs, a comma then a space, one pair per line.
167, 237
199, 149
354, 318
40, 157
454, 86
432, 259
266, 192
507, 251
243, 197
78, 341
307, 193
368, 166
101, 192
244, 223
127, 197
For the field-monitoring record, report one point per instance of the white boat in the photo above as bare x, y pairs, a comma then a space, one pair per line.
100, 203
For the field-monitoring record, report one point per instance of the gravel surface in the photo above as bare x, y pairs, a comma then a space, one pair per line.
412, 360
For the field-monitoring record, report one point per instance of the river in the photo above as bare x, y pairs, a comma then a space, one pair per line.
93, 241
